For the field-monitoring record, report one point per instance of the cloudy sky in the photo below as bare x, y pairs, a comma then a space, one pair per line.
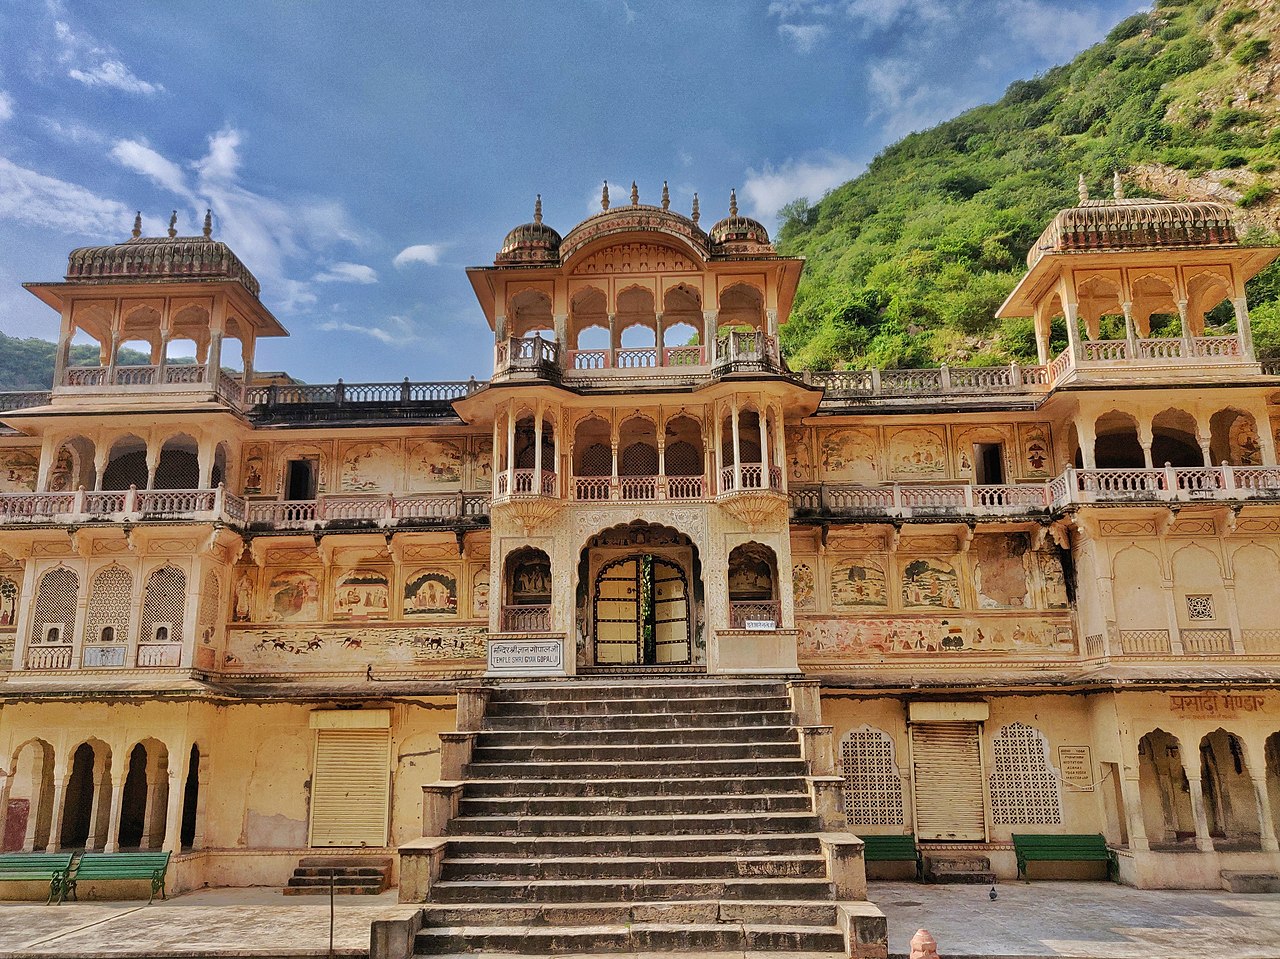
357, 156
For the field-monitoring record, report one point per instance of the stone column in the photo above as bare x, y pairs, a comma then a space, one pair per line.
62, 356
117, 804
511, 448
154, 448
1131, 795
737, 444
1204, 442
101, 458
202, 778
1130, 333
213, 365
1203, 842
1244, 330
114, 358
1266, 824
148, 810
763, 419
1071, 317
537, 449
658, 340
1186, 329
101, 776
55, 816
613, 340
560, 323
163, 364
710, 326
173, 808
557, 425
718, 437
1144, 440
1085, 432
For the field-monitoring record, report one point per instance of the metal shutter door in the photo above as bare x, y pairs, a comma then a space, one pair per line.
946, 767
350, 787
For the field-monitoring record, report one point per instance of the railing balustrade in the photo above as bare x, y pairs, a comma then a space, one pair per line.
526, 619
185, 373
1213, 347
135, 375
1205, 642
1094, 646
1145, 642
24, 399
1103, 351
638, 487
588, 359
85, 376
1058, 368
157, 655
1161, 348
683, 356
102, 657
740, 613
592, 488
631, 358
685, 487
52, 656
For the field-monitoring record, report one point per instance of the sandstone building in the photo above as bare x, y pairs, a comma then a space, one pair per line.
241, 617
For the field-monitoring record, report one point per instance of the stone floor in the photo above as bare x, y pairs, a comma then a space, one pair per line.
1084, 919
1052, 919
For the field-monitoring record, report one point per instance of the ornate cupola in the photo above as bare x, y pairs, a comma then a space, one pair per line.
739, 235
530, 243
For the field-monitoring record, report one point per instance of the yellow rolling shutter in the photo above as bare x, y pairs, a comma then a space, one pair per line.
946, 767
350, 787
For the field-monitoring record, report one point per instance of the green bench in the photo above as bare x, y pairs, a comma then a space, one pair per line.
892, 849
37, 867
1081, 847
102, 866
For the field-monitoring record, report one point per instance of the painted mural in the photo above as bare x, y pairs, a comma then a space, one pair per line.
242, 595
8, 603
844, 639
930, 581
964, 441
1037, 454
18, 471
1002, 570
918, 453
431, 592
531, 581
435, 463
351, 647
64, 467
480, 594
7, 642
1243, 443
750, 573
1053, 580
799, 460
858, 582
802, 586
370, 468
849, 456
293, 596
255, 468
482, 469
362, 594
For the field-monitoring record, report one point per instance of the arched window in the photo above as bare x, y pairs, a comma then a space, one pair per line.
164, 605
55, 608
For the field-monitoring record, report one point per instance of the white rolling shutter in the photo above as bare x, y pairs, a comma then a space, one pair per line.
351, 786
946, 767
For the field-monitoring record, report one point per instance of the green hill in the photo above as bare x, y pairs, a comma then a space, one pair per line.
908, 262
27, 364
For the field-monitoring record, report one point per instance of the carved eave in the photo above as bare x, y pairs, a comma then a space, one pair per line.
529, 511
755, 509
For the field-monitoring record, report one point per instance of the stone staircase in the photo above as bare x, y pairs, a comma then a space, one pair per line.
352, 876
678, 817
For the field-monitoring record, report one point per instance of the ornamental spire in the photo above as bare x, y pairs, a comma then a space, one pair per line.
137, 225
695, 210
1082, 188
604, 196
635, 194
537, 209
173, 225
666, 196
1117, 185
208, 224
733, 202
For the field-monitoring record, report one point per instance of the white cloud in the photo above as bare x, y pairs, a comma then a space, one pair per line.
377, 332
94, 65
1054, 31
140, 158
771, 188
6, 107
905, 105
428, 253
347, 273
803, 37
72, 131
873, 15
222, 162
34, 199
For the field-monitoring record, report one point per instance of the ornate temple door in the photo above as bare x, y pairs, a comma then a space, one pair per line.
946, 776
641, 614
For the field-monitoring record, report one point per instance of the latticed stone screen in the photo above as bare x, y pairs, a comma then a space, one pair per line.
55, 603
209, 594
597, 460
1200, 606
872, 784
683, 459
165, 603
110, 606
1024, 787
638, 459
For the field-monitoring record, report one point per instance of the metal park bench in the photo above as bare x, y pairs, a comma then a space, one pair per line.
37, 867
892, 849
104, 866
1085, 847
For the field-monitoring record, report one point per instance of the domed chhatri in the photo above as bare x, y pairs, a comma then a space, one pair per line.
739, 234
531, 243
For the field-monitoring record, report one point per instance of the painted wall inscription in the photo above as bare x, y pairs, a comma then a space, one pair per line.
351, 646
843, 639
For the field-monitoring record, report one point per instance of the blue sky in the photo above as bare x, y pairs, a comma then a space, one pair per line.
357, 156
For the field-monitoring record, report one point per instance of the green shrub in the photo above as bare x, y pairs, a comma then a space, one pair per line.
1236, 16
1251, 51
1258, 193
1230, 160
1263, 166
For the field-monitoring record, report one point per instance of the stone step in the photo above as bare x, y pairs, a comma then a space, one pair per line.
624, 707
379, 862
1250, 881
958, 869
737, 736
372, 872
377, 890
786, 823
623, 788
620, 867
702, 953
620, 769
633, 890
629, 689
682, 761
634, 805
704, 911
524, 847
646, 720
637, 937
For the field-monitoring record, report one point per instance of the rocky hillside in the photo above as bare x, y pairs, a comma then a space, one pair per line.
908, 262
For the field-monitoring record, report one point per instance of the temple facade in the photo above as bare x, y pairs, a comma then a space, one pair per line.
238, 613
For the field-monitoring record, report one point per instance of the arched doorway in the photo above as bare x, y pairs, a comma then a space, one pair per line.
639, 596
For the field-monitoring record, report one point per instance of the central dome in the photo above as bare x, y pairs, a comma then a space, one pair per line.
530, 242
739, 234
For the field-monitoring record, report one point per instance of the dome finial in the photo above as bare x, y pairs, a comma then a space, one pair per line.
137, 225
1117, 185
537, 209
666, 196
173, 225
604, 196
1082, 188
208, 224
635, 194
733, 202
695, 210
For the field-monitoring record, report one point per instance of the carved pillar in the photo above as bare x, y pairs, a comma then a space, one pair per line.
113, 359
1130, 332
117, 802
1071, 317
101, 457
1186, 329
202, 776
1203, 842
62, 357
659, 340
537, 449
1131, 795
511, 448
154, 773
1086, 431
557, 427
613, 340
1144, 440
1266, 824
213, 365
154, 448
710, 326
737, 445
764, 447
718, 468
177, 774
1266, 441
560, 323
55, 817
204, 462
1244, 329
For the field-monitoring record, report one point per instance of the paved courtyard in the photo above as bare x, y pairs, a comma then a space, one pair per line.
1071, 919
